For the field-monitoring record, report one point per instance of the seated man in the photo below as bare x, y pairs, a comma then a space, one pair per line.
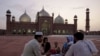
81, 46
32, 48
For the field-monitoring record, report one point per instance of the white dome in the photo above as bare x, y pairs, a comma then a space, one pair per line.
59, 19
25, 18
43, 13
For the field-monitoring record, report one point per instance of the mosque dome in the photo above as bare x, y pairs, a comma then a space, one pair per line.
43, 13
25, 18
59, 19
87, 9
66, 20
75, 16
8, 11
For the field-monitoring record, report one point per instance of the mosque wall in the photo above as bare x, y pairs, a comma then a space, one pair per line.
45, 23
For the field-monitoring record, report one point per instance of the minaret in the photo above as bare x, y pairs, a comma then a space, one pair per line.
53, 15
75, 23
37, 17
13, 18
66, 21
8, 18
87, 27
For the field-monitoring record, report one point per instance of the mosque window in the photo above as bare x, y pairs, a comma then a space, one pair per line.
45, 24
45, 27
19, 31
45, 21
33, 32
23, 31
55, 31
63, 31
29, 31
14, 31
59, 31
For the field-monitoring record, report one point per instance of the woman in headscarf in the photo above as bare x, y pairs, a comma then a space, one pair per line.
70, 41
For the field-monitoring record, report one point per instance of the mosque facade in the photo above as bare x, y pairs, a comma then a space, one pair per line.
43, 22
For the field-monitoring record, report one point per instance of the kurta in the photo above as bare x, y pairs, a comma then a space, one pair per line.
79, 49
32, 48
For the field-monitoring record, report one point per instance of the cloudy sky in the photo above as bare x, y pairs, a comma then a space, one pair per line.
66, 8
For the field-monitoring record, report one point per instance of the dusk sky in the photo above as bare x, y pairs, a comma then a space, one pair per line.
66, 8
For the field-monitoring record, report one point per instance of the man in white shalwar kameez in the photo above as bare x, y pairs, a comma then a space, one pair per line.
32, 48
81, 47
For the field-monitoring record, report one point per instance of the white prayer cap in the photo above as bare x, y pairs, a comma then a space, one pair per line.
38, 33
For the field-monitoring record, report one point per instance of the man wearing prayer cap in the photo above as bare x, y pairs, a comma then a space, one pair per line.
32, 48
38, 33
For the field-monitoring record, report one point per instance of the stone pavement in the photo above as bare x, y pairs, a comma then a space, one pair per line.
13, 45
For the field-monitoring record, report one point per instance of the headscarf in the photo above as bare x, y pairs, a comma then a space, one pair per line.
66, 45
70, 39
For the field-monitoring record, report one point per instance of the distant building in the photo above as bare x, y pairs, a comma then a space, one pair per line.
87, 27
44, 22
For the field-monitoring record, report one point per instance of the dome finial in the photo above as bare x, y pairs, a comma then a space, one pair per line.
43, 12
13, 16
87, 9
59, 14
75, 16
42, 7
25, 11
8, 11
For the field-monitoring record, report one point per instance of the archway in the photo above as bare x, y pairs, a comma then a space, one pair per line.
45, 27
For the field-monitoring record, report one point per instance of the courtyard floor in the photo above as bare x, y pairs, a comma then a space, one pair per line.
13, 45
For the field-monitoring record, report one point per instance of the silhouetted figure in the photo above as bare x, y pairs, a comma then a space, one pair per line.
57, 48
33, 47
46, 45
81, 47
56, 51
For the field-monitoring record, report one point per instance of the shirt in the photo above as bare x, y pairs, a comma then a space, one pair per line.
79, 49
32, 48
47, 47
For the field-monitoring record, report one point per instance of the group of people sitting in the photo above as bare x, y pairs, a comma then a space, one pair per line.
74, 46
47, 50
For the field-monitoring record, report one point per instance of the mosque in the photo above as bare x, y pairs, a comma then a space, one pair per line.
43, 22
